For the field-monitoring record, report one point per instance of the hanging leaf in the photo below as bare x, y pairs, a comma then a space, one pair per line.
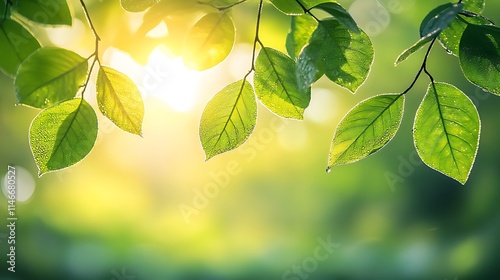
62, 135
209, 42
343, 55
450, 37
119, 99
340, 14
276, 84
137, 5
228, 119
16, 44
48, 76
446, 131
301, 30
367, 128
439, 18
309, 65
411, 50
480, 56
54, 12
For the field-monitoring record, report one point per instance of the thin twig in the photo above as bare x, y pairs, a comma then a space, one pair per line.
423, 68
95, 54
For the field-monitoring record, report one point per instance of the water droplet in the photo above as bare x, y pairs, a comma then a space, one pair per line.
449, 51
328, 169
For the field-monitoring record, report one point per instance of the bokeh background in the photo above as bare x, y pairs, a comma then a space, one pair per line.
135, 209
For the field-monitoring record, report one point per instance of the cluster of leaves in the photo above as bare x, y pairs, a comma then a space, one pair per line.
51, 78
446, 129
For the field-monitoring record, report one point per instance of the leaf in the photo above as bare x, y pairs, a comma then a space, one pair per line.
480, 56
367, 128
411, 50
439, 18
53, 12
339, 13
119, 99
289, 7
228, 119
432, 25
276, 84
309, 66
301, 30
345, 56
475, 6
209, 42
49, 75
446, 131
16, 44
450, 37
62, 135
137, 5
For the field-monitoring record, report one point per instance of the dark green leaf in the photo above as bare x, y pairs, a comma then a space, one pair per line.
276, 84
344, 56
228, 119
53, 12
367, 128
119, 99
480, 56
50, 75
16, 44
339, 13
450, 37
438, 19
301, 30
209, 42
62, 135
446, 131
137, 5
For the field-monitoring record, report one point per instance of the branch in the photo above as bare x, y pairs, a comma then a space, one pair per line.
95, 54
422, 68
306, 10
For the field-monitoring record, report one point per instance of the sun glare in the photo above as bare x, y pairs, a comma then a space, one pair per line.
163, 77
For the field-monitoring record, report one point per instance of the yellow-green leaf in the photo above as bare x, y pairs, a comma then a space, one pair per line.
209, 42
119, 99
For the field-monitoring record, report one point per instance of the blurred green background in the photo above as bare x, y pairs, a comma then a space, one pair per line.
135, 208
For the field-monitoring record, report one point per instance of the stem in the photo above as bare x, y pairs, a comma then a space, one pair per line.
256, 39
423, 68
472, 14
95, 54
306, 10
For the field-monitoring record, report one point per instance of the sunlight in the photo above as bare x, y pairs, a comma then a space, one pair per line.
168, 79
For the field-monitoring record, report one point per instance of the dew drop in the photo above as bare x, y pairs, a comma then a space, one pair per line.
328, 169
449, 51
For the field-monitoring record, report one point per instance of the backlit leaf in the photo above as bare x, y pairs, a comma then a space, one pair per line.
301, 30
16, 44
439, 18
50, 75
276, 84
209, 42
340, 14
53, 12
411, 50
480, 56
119, 99
367, 128
446, 131
228, 119
450, 37
62, 135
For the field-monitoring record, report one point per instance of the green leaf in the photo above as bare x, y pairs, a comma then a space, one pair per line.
301, 29
276, 84
16, 44
475, 6
119, 99
446, 131
480, 56
289, 7
439, 18
411, 50
309, 65
367, 128
53, 12
209, 42
62, 135
450, 37
50, 75
228, 119
339, 13
137, 5
345, 56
